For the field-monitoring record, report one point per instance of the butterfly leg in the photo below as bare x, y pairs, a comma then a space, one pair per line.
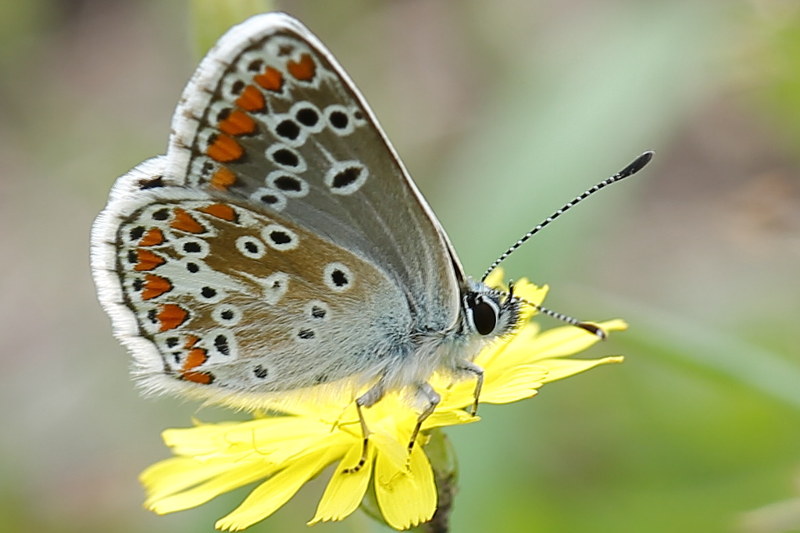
431, 398
365, 443
368, 399
467, 367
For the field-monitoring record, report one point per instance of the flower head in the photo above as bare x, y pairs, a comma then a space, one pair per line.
287, 450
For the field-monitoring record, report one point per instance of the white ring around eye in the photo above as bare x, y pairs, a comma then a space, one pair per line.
482, 320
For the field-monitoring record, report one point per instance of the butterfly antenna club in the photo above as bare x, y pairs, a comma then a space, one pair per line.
635, 166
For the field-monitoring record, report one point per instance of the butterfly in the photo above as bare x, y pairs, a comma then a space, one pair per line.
280, 244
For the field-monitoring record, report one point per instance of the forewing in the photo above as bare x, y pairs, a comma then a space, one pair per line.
271, 118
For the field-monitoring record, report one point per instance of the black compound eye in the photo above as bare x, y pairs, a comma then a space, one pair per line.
484, 315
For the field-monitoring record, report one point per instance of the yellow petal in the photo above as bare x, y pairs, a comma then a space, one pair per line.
513, 385
558, 342
279, 439
564, 368
519, 379
283, 436
393, 448
449, 417
530, 292
345, 490
233, 478
276, 491
495, 279
287, 451
198, 440
406, 496
176, 474
509, 352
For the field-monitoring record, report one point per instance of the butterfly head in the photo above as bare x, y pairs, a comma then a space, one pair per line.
489, 312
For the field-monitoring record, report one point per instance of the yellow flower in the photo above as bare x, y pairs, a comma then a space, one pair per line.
285, 451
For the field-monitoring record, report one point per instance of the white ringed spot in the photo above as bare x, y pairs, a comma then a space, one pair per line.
192, 247
346, 177
337, 277
159, 214
226, 315
221, 343
287, 183
209, 294
272, 198
338, 119
191, 265
280, 238
251, 247
308, 116
286, 157
233, 85
250, 63
358, 116
286, 129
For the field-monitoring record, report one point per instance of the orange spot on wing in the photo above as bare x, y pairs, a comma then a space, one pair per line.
223, 178
196, 357
237, 123
183, 221
155, 286
153, 237
223, 211
224, 149
271, 79
147, 260
191, 340
251, 99
203, 378
170, 316
303, 70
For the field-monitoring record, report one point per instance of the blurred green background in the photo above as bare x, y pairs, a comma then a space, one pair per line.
502, 111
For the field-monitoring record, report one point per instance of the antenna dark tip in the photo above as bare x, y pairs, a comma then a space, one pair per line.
637, 164
594, 329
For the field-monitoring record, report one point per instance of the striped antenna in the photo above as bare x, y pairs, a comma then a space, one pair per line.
587, 326
637, 165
